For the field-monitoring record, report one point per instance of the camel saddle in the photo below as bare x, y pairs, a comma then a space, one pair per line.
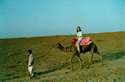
85, 41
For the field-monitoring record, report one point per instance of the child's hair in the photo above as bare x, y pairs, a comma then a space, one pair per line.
79, 28
30, 51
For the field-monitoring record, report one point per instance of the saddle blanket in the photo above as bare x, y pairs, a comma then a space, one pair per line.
85, 41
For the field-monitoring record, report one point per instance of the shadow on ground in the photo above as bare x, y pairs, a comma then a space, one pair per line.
106, 57
113, 56
52, 70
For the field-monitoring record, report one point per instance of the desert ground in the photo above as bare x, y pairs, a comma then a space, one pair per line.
52, 65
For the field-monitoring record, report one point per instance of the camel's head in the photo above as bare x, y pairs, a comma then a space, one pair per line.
57, 44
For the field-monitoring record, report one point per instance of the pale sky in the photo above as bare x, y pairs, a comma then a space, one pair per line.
32, 18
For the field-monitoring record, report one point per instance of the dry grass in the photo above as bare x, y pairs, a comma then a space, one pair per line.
52, 64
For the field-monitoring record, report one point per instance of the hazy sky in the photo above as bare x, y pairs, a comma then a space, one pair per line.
29, 18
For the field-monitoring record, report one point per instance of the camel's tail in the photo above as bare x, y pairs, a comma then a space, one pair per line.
96, 50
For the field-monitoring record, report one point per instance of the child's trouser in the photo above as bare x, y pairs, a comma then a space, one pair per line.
78, 42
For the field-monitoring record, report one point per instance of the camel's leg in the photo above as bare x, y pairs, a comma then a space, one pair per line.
91, 54
100, 57
70, 60
90, 62
80, 60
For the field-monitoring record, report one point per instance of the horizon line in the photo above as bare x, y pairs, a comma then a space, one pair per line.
57, 35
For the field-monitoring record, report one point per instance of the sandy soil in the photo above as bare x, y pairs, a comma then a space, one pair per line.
52, 65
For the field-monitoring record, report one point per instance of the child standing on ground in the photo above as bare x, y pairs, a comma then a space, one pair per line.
31, 63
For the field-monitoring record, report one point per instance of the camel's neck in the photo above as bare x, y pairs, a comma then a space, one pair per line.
65, 49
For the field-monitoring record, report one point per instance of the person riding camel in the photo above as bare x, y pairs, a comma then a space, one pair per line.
79, 38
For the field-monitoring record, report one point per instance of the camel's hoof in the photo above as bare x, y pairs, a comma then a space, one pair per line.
80, 67
90, 62
71, 69
87, 67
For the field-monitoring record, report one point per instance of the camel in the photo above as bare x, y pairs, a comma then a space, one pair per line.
92, 48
